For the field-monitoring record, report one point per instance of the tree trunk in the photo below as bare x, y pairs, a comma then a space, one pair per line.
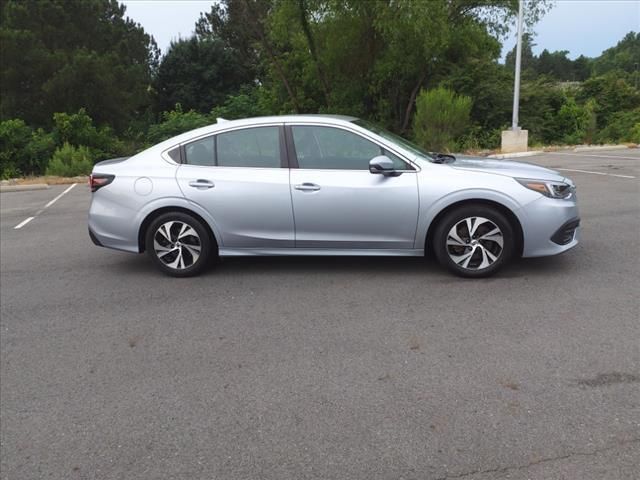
258, 29
412, 101
281, 74
304, 22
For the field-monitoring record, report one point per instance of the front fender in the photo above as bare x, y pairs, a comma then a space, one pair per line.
436, 206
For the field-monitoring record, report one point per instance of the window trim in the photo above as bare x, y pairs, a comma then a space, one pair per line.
293, 157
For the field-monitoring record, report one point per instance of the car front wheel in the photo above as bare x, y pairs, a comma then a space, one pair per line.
473, 241
178, 244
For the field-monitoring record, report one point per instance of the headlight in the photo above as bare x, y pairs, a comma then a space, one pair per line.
547, 188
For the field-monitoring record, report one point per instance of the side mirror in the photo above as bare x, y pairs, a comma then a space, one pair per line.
384, 165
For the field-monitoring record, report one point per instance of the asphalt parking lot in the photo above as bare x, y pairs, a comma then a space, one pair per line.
315, 368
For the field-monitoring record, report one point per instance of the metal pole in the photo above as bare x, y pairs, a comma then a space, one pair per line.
516, 86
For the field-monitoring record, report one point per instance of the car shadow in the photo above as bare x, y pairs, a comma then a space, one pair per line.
540, 266
404, 266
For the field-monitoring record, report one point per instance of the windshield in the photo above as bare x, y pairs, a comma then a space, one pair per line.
403, 142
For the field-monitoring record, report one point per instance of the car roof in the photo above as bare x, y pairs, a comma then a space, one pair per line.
291, 118
223, 124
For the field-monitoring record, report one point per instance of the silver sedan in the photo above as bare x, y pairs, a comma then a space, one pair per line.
325, 185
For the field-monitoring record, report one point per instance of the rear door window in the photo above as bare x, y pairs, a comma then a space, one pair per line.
200, 152
257, 147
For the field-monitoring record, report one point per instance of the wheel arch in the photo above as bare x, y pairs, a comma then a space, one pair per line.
514, 221
159, 211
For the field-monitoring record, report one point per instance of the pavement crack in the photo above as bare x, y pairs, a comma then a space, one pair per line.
500, 470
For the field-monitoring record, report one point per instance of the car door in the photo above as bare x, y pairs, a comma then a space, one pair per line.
242, 179
338, 203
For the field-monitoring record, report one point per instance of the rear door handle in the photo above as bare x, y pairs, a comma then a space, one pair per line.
307, 187
201, 183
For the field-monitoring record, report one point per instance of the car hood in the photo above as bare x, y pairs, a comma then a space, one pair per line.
507, 168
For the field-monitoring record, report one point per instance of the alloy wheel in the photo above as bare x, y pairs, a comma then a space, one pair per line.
475, 243
177, 245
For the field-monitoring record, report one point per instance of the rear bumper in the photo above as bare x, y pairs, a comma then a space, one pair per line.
550, 227
109, 225
94, 239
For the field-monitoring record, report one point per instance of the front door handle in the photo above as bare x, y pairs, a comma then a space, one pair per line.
201, 184
307, 187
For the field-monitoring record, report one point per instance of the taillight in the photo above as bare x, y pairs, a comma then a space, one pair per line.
99, 180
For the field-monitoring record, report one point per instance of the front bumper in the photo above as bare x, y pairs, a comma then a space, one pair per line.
566, 233
550, 226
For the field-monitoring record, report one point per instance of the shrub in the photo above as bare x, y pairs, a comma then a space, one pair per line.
69, 161
478, 137
176, 122
78, 129
248, 103
634, 134
622, 127
540, 102
441, 117
39, 151
14, 137
572, 122
22, 150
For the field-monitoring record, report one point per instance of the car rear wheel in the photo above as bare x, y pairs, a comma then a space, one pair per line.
178, 244
473, 241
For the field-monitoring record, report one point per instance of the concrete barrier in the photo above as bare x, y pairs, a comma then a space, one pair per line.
501, 156
589, 148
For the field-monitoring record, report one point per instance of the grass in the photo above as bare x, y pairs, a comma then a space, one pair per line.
49, 180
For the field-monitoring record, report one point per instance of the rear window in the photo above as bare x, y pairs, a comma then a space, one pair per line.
175, 154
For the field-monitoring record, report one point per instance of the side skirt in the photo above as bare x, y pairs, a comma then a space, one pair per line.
329, 252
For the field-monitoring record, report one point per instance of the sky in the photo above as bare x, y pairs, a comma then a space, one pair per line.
583, 27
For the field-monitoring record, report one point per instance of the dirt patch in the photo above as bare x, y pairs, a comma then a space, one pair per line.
607, 379
52, 180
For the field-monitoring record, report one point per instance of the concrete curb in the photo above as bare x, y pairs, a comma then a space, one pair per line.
600, 147
23, 188
501, 156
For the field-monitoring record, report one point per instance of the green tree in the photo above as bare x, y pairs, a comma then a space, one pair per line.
572, 121
556, 65
366, 58
23, 151
581, 68
528, 62
622, 127
540, 102
244, 26
441, 117
624, 56
612, 93
250, 102
69, 161
199, 73
175, 122
78, 129
63, 55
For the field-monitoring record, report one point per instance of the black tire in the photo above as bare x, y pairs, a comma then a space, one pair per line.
485, 249
179, 257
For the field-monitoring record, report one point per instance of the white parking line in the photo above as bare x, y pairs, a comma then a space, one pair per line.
27, 220
595, 173
23, 223
59, 196
595, 156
